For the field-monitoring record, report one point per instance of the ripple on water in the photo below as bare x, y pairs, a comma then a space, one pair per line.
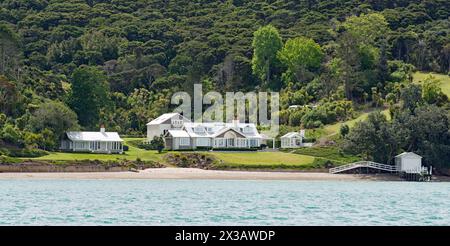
210, 202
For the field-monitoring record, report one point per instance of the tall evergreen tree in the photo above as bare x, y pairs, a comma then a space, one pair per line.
266, 44
90, 94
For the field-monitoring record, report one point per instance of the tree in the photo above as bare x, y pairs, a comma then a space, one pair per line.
49, 140
374, 139
157, 143
11, 135
301, 55
367, 29
90, 94
33, 140
9, 52
11, 101
344, 130
432, 92
426, 132
359, 50
349, 62
54, 116
411, 97
266, 43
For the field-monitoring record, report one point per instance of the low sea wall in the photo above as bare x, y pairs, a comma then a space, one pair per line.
77, 166
56, 168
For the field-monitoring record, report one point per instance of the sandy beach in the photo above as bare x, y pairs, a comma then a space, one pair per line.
193, 173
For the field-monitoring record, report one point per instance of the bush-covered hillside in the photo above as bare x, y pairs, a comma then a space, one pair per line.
70, 64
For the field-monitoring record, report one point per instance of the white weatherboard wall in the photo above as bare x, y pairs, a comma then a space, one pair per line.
408, 162
157, 130
163, 123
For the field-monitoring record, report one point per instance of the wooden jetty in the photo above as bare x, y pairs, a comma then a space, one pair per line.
421, 174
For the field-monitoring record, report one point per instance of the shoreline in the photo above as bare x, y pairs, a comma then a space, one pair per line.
198, 174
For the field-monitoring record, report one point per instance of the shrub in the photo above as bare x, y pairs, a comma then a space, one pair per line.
29, 153
157, 143
33, 140
11, 135
50, 140
344, 130
327, 113
126, 148
9, 160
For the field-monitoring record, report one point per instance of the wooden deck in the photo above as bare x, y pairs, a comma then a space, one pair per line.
422, 174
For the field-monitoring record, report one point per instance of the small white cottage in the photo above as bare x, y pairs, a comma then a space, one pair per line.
408, 162
293, 140
94, 142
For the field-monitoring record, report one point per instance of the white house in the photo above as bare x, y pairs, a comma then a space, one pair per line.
408, 162
95, 142
293, 140
163, 123
214, 135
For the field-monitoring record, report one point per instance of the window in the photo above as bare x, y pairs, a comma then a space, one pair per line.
177, 122
115, 145
219, 142
230, 142
247, 129
202, 142
199, 129
185, 141
241, 142
254, 143
94, 145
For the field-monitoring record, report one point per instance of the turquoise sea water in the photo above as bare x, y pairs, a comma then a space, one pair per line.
212, 202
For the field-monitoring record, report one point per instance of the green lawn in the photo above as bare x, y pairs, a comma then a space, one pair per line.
263, 158
132, 154
445, 79
241, 158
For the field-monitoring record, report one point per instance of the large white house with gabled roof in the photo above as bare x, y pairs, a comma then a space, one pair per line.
160, 126
185, 134
94, 142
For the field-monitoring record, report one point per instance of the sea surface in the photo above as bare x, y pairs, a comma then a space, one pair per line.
215, 202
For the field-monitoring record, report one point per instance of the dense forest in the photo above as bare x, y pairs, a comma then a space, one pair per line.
76, 64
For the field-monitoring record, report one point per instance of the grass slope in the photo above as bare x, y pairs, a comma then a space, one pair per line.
334, 128
445, 79
332, 153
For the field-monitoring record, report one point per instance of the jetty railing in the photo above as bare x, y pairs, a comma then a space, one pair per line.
368, 164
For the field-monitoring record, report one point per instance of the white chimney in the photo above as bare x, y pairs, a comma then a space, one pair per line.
235, 122
302, 133
102, 128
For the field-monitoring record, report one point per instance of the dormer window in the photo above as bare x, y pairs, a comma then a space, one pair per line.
199, 129
177, 122
247, 129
